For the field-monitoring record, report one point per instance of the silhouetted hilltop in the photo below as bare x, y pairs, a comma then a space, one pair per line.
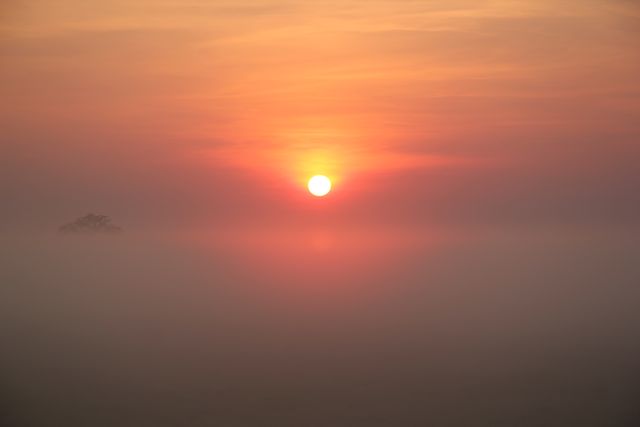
91, 223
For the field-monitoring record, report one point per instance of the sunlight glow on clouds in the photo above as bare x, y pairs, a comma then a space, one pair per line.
358, 88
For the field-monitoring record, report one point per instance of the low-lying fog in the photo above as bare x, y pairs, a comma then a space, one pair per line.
321, 327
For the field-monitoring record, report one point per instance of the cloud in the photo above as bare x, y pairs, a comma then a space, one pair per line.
124, 88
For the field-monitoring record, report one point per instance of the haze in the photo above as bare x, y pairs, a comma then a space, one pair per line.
476, 263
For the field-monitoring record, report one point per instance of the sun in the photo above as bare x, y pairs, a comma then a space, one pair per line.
319, 185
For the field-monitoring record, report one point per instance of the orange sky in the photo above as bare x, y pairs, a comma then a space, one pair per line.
124, 106
477, 262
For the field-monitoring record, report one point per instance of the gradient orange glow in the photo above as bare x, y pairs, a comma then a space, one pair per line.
436, 103
476, 263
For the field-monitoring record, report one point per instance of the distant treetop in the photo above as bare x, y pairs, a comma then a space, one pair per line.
91, 223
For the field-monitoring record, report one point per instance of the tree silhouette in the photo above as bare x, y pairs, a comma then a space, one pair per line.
91, 223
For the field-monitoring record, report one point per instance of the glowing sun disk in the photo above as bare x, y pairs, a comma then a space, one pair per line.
319, 185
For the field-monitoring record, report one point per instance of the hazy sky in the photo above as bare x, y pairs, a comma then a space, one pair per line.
476, 264
419, 110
